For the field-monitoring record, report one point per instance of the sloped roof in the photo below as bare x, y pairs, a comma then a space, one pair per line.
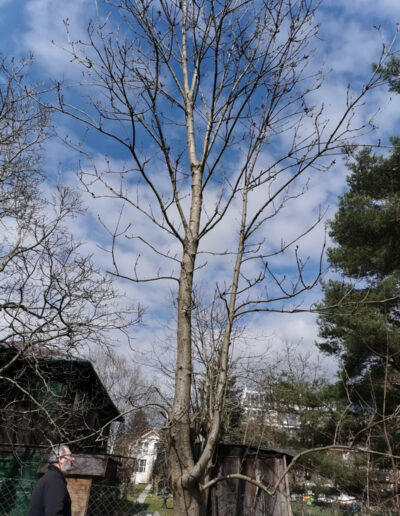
49, 355
154, 431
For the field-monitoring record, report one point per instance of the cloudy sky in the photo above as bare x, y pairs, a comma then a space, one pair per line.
350, 38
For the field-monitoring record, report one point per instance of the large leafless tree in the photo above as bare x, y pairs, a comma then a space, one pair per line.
214, 105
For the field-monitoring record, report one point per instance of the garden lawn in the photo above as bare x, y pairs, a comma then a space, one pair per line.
155, 502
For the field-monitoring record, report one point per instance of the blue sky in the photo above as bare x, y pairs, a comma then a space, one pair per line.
347, 45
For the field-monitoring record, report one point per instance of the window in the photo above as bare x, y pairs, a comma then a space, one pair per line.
291, 420
80, 401
141, 466
254, 399
50, 393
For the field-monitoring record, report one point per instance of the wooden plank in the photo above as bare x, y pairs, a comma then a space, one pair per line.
83, 466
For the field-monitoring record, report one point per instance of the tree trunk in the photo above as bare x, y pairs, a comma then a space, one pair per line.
188, 501
186, 492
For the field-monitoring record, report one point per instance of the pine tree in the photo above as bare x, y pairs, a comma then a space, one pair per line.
363, 327
360, 313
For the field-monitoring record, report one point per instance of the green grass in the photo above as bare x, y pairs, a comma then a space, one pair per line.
155, 502
135, 492
310, 510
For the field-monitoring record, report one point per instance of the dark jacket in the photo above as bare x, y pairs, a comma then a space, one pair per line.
50, 496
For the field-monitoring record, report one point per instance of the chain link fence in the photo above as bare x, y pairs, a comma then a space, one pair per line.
106, 500
109, 501
338, 509
15, 494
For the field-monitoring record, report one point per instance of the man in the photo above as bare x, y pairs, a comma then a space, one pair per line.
50, 496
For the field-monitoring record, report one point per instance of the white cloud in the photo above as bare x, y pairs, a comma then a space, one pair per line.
46, 36
365, 9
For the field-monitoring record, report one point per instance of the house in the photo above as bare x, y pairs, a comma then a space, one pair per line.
257, 404
48, 398
145, 450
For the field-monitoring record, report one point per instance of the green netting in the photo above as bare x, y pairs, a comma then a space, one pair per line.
7, 466
18, 475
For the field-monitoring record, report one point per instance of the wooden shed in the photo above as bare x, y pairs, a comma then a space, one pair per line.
240, 498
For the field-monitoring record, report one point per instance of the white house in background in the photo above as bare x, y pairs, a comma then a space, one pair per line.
257, 403
145, 451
